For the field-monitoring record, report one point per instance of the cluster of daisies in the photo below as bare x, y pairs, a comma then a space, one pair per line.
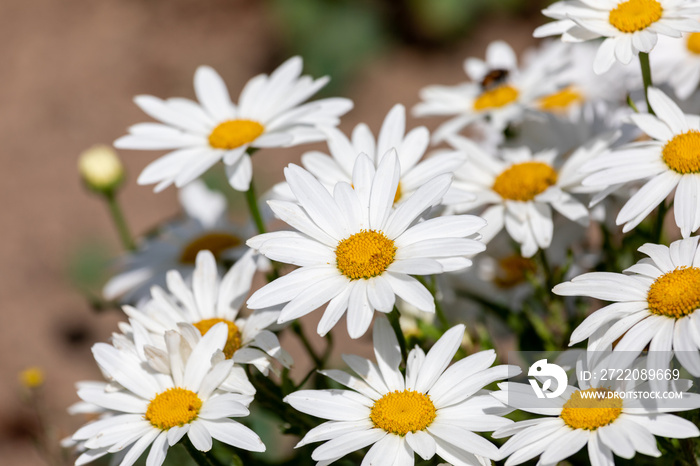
544, 163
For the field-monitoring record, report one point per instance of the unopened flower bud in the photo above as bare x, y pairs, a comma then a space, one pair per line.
31, 377
101, 168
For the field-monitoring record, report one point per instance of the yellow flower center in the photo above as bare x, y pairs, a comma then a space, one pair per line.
635, 15
524, 181
403, 412
496, 98
216, 242
234, 133
560, 100
682, 153
598, 408
173, 407
693, 42
233, 341
676, 293
365, 254
513, 270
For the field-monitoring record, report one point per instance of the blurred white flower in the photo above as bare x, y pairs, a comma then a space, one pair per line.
176, 244
629, 26
677, 63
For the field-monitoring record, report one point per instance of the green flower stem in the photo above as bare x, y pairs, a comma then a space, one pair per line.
546, 271
541, 328
646, 77
432, 287
270, 397
252, 200
503, 312
659, 225
199, 457
393, 317
119, 221
299, 332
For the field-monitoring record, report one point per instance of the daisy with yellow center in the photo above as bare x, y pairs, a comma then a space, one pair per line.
410, 146
356, 249
270, 113
498, 92
432, 410
208, 302
677, 63
656, 303
628, 26
599, 414
204, 227
163, 396
669, 161
517, 190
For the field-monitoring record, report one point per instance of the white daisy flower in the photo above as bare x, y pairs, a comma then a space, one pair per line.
410, 148
629, 26
499, 91
206, 226
669, 159
520, 190
678, 63
577, 84
357, 251
157, 409
592, 415
210, 300
656, 302
269, 113
431, 410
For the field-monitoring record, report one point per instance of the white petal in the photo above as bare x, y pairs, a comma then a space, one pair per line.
360, 311
158, 450
235, 434
387, 353
335, 405
422, 443
212, 93
439, 357
341, 446
565, 446
667, 110
383, 451
409, 289
199, 436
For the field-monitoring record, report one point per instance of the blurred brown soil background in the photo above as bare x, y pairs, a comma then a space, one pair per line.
69, 71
